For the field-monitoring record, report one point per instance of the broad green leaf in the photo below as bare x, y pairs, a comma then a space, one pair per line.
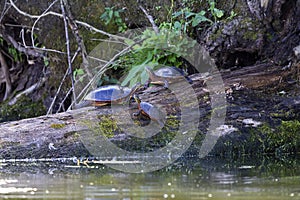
177, 25
202, 12
110, 13
198, 19
218, 13
189, 14
132, 73
176, 14
116, 14
129, 41
212, 4
144, 77
78, 73
133, 81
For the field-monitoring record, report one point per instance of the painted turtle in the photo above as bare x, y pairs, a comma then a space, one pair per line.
149, 110
166, 75
110, 94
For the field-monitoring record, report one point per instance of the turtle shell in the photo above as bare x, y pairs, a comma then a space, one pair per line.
146, 108
169, 72
152, 112
108, 94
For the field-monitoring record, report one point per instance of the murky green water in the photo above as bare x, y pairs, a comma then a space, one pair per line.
248, 178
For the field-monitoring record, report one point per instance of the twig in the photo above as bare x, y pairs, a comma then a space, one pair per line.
27, 91
23, 38
102, 70
150, 18
60, 15
20, 26
57, 92
68, 45
62, 102
69, 70
97, 59
27, 51
79, 39
4, 10
42, 15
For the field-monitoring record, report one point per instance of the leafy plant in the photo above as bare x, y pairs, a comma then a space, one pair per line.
232, 15
167, 47
78, 74
111, 15
187, 17
46, 61
164, 48
17, 56
190, 17
216, 13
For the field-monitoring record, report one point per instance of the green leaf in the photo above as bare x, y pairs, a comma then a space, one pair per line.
46, 61
198, 19
133, 81
189, 14
78, 72
116, 14
202, 12
110, 14
218, 13
129, 41
144, 77
176, 14
132, 74
177, 25
103, 16
212, 4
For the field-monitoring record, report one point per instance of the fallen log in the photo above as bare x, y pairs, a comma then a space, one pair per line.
58, 135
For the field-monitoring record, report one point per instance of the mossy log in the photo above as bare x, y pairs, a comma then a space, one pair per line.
58, 135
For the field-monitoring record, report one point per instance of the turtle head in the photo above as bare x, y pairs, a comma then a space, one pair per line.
149, 70
137, 98
135, 87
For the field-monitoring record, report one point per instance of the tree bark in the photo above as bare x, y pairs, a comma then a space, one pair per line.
5, 71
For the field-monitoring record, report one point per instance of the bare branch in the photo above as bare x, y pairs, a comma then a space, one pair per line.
27, 91
68, 45
79, 39
57, 92
150, 18
27, 51
33, 26
69, 70
33, 16
4, 11
62, 102
88, 26
102, 70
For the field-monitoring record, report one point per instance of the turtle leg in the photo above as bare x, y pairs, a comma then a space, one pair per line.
161, 124
189, 79
147, 84
137, 113
166, 84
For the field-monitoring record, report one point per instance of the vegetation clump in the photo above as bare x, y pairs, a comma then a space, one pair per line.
283, 139
57, 126
24, 108
107, 126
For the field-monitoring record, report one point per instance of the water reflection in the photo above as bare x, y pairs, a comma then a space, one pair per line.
264, 178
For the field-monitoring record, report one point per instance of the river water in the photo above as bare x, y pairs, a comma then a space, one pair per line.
210, 178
